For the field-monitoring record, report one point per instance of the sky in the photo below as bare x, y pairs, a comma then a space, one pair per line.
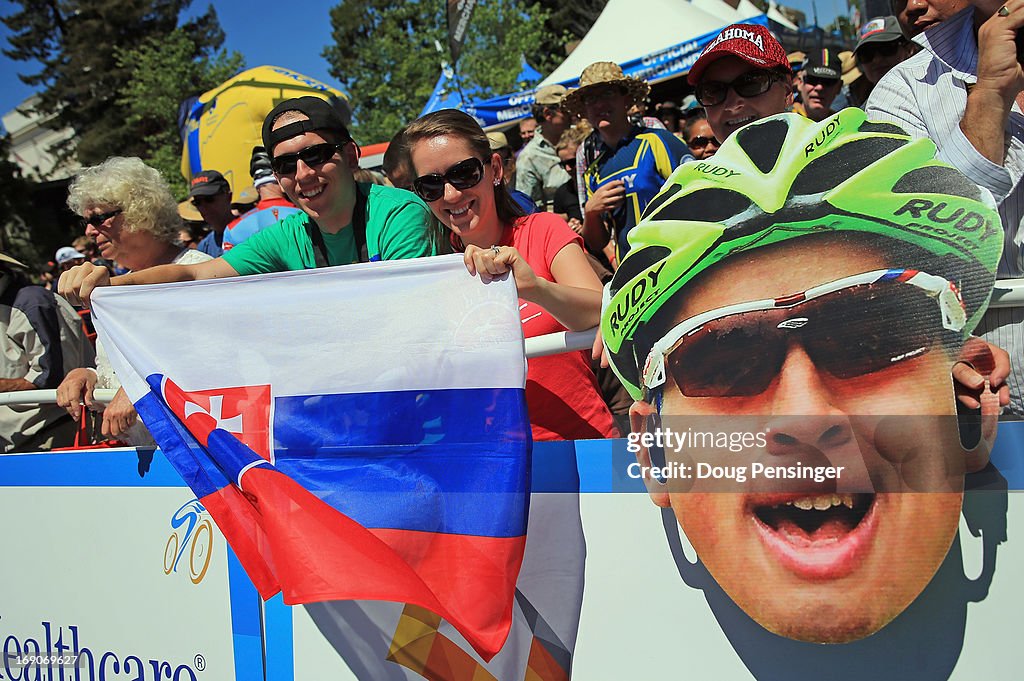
274, 32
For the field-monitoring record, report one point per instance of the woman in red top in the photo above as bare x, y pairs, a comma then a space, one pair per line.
463, 183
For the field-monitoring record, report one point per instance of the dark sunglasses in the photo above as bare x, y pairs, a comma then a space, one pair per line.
462, 175
814, 81
867, 54
200, 200
702, 141
847, 332
100, 218
313, 156
750, 84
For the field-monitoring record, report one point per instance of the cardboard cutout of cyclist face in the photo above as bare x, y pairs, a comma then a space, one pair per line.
809, 446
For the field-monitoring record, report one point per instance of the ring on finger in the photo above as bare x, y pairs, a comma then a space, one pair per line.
1003, 11
496, 250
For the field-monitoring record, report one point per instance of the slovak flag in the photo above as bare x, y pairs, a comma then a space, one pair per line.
356, 432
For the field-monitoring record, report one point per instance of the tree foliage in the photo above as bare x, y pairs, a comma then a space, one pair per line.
76, 42
164, 72
384, 55
845, 27
15, 209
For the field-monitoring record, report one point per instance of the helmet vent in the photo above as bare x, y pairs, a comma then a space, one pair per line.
763, 143
637, 262
832, 169
659, 200
885, 128
710, 205
938, 180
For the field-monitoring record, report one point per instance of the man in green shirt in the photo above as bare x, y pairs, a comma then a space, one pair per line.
342, 222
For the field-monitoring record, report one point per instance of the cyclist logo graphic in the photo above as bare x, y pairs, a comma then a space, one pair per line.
189, 523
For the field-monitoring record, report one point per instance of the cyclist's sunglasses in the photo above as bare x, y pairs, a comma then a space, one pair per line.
100, 218
313, 156
462, 175
851, 327
750, 84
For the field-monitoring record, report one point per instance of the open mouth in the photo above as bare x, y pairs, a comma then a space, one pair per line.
312, 193
821, 536
459, 213
737, 122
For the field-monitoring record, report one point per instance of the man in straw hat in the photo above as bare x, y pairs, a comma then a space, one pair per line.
41, 339
621, 166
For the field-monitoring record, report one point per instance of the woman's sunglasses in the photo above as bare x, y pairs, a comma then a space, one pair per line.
850, 327
701, 141
314, 156
462, 175
750, 84
100, 218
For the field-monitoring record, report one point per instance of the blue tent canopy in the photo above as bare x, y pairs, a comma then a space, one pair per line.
661, 65
446, 94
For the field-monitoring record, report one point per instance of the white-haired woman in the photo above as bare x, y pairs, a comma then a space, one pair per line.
127, 208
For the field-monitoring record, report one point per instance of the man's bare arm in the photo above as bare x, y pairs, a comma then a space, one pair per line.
1000, 81
78, 283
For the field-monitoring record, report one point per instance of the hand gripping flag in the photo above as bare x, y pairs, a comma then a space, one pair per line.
356, 432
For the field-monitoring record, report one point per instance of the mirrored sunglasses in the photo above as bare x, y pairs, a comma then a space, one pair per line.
750, 84
462, 175
314, 157
850, 327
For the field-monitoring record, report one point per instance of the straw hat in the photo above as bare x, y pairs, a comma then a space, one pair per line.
850, 70
8, 260
188, 212
604, 73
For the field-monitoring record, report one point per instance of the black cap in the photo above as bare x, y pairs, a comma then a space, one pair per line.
208, 183
321, 114
824, 64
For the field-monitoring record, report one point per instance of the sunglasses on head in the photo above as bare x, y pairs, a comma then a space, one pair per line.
867, 54
850, 327
702, 141
462, 175
100, 218
750, 84
313, 156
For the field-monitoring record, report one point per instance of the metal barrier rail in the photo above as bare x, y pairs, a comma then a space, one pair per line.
540, 346
48, 397
1008, 293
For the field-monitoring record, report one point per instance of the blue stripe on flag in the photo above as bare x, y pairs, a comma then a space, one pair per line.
381, 458
310, 425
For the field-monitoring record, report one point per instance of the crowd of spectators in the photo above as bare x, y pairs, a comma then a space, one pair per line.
552, 205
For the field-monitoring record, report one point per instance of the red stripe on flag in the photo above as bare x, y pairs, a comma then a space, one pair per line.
289, 540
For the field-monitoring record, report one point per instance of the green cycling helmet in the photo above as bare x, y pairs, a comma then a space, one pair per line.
786, 177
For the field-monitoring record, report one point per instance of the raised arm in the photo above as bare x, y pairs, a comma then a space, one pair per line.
574, 298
